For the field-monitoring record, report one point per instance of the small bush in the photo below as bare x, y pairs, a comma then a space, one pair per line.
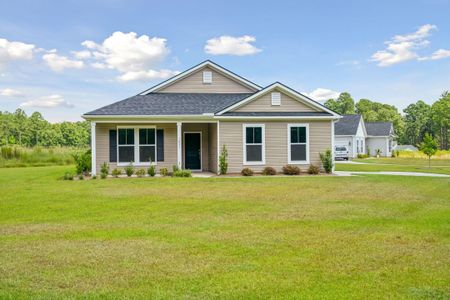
182, 173
140, 173
223, 161
164, 172
94, 177
313, 170
327, 160
269, 171
247, 172
68, 176
116, 172
151, 171
80, 177
175, 168
104, 170
129, 170
83, 162
362, 155
291, 170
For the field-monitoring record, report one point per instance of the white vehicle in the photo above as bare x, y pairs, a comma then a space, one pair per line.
341, 152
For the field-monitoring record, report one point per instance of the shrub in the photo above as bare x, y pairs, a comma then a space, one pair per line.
182, 173
140, 173
378, 152
397, 153
327, 160
223, 161
164, 172
175, 168
94, 177
360, 155
269, 171
247, 172
116, 172
129, 170
83, 162
151, 171
80, 177
392, 153
368, 151
313, 170
104, 170
68, 176
291, 170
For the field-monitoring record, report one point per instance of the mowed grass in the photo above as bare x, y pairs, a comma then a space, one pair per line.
229, 238
439, 166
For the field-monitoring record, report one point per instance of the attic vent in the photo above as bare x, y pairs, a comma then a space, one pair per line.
207, 77
276, 99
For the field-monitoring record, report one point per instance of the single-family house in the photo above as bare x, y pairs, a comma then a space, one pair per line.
187, 120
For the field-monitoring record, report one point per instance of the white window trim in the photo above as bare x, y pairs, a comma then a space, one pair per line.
201, 150
272, 98
263, 144
136, 145
306, 125
205, 81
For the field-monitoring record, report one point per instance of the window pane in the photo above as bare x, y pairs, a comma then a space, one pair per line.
301, 134
146, 153
298, 152
122, 136
254, 153
294, 134
151, 136
130, 136
257, 135
126, 153
143, 136
249, 135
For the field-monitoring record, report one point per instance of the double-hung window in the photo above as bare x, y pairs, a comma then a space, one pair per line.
298, 143
254, 148
126, 145
147, 144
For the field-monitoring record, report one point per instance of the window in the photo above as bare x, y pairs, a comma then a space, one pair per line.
254, 144
126, 145
357, 146
276, 98
207, 77
298, 144
147, 144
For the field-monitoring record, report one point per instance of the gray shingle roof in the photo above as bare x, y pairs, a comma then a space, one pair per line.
171, 104
276, 114
347, 125
378, 128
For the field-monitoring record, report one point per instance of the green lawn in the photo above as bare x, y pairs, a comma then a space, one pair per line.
233, 238
441, 166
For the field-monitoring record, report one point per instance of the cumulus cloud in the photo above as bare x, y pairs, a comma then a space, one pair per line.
402, 48
135, 57
58, 62
11, 93
14, 51
321, 94
229, 45
51, 101
84, 54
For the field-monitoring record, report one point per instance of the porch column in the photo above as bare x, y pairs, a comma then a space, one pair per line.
93, 150
332, 145
179, 144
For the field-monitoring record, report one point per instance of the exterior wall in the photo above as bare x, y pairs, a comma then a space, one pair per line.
276, 143
264, 103
374, 143
203, 128
170, 144
212, 147
194, 84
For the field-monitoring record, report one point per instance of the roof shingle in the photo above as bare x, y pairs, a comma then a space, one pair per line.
347, 125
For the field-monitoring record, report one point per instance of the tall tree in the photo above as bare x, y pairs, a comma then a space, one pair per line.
417, 122
344, 104
440, 116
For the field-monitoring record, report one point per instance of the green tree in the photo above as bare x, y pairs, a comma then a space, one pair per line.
344, 104
417, 122
429, 147
440, 116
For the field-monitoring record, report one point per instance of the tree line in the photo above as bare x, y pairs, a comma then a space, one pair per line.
418, 118
19, 129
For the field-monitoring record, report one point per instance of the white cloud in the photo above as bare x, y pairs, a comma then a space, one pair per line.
402, 48
59, 63
51, 101
14, 51
84, 54
136, 57
229, 45
11, 93
321, 94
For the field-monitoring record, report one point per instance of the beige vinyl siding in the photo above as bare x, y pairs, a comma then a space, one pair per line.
276, 143
264, 103
170, 144
213, 147
203, 127
194, 84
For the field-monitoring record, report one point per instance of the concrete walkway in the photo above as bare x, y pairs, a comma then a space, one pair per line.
351, 173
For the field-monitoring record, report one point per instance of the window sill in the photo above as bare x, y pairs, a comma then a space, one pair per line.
254, 163
298, 162
124, 164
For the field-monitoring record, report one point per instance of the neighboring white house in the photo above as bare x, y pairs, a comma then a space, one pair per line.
361, 137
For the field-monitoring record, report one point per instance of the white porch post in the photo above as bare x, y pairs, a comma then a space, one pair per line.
332, 144
218, 147
179, 144
93, 149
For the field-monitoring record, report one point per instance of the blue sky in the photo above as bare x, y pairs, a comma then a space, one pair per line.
64, 59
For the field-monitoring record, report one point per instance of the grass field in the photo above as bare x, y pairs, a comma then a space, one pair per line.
441, 166
233, 238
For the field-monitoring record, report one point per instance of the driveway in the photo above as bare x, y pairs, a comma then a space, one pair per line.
351, 173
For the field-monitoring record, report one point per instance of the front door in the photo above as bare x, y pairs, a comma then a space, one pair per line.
192, 151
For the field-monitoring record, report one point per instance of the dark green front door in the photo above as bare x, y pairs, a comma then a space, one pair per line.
192, 150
